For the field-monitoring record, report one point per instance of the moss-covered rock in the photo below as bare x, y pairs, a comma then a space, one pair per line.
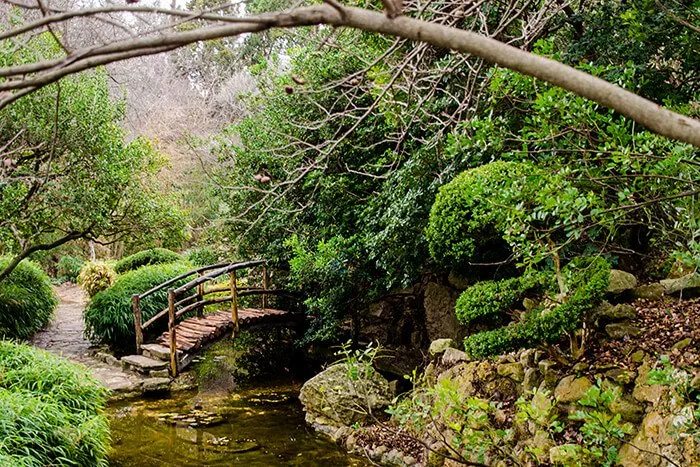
335, 397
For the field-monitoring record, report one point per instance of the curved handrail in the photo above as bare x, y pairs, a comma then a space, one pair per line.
225, 270
180, 277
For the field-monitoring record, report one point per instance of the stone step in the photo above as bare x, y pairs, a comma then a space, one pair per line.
158, 352
155, 385
143, 364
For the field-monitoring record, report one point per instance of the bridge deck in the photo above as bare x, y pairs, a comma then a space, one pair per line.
193, 333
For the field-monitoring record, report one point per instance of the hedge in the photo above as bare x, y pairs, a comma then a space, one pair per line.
27, 300
109, 317
591, 277
145, 258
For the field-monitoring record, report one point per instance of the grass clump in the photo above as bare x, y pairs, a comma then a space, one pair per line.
589, 276
109, 318
50, 411
96, 277
27, 301
145, 258
68, 268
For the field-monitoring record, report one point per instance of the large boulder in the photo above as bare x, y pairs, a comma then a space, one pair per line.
687, 286
621, 282
440, 319
334, 398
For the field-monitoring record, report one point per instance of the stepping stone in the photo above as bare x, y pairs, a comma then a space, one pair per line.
151, 385
157, 352
143, 364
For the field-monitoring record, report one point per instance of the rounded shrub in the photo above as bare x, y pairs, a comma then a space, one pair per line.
145, 258
488, 301
470, 213
589, 280
202, 257
50, 411
68, 268
27, 300
109, 317
96, 277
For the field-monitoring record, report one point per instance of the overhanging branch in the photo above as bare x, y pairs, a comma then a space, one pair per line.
652, 116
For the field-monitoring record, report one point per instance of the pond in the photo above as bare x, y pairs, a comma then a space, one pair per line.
262, 426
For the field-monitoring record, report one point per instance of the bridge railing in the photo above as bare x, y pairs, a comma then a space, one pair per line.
181, 303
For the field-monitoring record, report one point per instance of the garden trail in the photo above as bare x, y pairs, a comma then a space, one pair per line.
64, 336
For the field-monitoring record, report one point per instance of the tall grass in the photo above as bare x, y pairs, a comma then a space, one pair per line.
109, 317
145, 258
27, 301
50, 411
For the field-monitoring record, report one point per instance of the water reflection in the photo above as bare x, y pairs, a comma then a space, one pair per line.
254, 427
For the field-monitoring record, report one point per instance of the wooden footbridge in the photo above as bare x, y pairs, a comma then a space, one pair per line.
190, 329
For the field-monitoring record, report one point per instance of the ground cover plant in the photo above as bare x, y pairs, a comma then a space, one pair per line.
27, 301
50, 411
146, 257
109, 317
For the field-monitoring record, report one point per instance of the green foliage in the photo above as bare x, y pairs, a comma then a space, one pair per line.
109, 317
27, 300
488, 301
470, 214
359, 362
72, 173
683, 393
355, 155
96, 277
68, 268
145, 258
601, 431
468, 423
202, 257
328, 275
50, 411
588, 278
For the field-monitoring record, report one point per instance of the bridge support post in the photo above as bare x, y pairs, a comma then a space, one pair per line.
136, 308
234, 302
200, 297
172, 333
264, 285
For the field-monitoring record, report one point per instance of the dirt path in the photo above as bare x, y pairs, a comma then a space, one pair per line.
64, 336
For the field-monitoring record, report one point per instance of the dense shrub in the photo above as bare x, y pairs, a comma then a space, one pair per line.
96, 277
109, 318
50, 411
27, 300
487, 301
470, 213
68, 268
145, 258
202, 257
591, 281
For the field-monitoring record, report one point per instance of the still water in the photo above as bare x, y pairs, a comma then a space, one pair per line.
251, 427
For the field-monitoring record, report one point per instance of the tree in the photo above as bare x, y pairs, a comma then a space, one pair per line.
68, 174
31, 76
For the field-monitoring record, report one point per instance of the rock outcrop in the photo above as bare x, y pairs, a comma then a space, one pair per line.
335, 397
